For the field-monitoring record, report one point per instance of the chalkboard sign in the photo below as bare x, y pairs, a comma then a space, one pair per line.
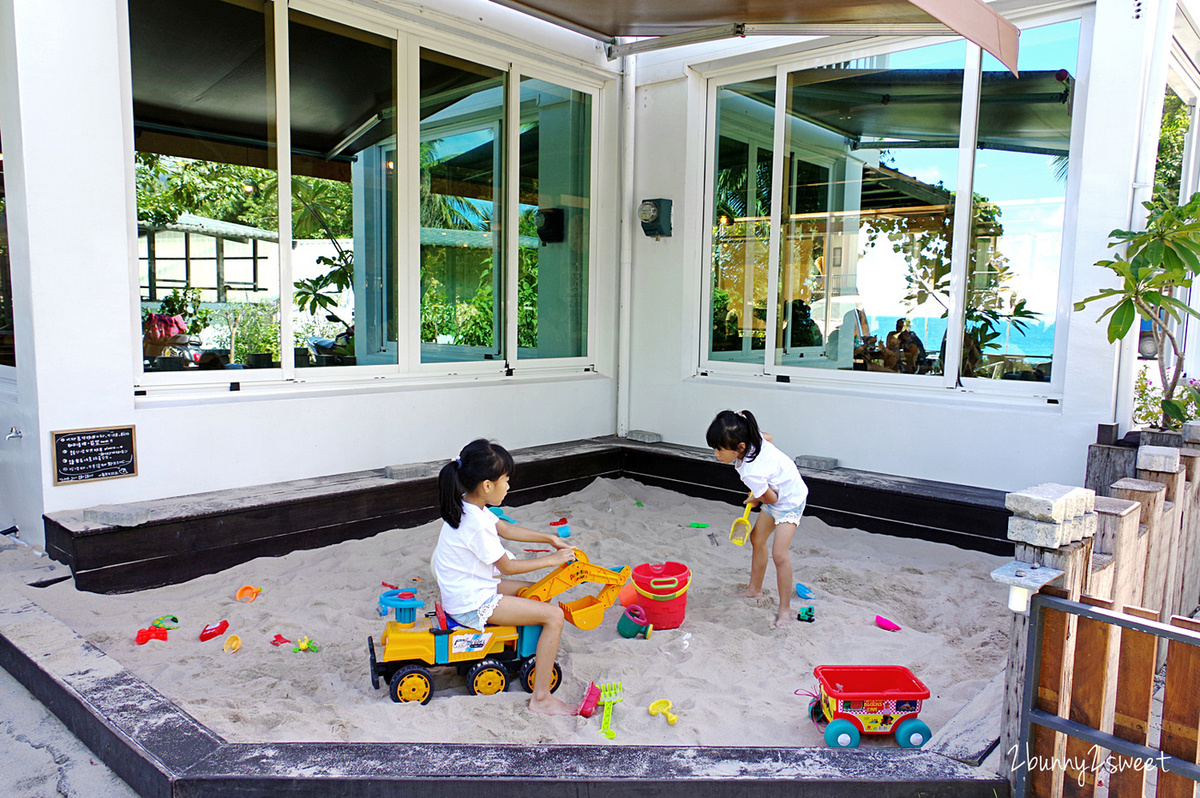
84, 454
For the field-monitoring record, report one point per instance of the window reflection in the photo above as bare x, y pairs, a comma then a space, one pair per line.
462, 242
343, 115
741, 220
8, 351
204, 110
869, 175
555, 177
1020, 196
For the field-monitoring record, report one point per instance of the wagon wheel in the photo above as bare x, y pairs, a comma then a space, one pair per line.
487, 678
841, 733
411, 683
529, 667
816, 711
912, 733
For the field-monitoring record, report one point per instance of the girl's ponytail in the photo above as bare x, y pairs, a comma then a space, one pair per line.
754, 437
450, 492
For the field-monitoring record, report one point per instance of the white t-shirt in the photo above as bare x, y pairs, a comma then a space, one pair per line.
464, 560
774, 469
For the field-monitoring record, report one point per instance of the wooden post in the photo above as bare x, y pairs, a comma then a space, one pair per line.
1163, 565
1074, 560
1106, 465
1053, 692
1089, 692
1135, 692
1190, 579
1151, 496
1181, 711
1117, 523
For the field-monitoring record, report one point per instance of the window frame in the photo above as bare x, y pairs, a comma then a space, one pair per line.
410, 38
815, 56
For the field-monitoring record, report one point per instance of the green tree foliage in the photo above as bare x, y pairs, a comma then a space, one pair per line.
1159, 262
1169, 167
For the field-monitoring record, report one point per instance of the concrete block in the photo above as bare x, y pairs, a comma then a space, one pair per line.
1043, 534
1191, 432
814, 462
408, 471
117, 515
1089, 523
1048, 502
642, 436
1158, 458
1080, 501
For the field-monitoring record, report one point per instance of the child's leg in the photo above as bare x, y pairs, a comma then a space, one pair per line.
513, 611
764, 525
781, 554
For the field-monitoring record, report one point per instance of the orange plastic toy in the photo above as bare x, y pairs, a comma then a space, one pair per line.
587, 612
248, 593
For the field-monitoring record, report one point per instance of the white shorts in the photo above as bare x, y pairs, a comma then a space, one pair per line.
477, 619
784, 515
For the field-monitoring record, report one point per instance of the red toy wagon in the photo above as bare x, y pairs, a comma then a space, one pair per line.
869, 699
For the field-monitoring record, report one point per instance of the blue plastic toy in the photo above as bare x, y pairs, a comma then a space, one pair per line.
803, 592
496, 511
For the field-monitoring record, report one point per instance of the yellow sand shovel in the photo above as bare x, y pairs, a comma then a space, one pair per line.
740, 531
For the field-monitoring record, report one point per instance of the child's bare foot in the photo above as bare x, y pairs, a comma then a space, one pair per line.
747, 593
551, 706
784, 618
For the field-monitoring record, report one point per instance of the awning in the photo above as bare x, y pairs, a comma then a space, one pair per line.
689, 21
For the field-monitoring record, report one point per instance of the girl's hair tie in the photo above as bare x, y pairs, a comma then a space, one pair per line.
458, 461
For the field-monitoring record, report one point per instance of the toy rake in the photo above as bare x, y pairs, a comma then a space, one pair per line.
610, 694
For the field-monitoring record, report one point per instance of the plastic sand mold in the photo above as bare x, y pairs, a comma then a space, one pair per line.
248, 593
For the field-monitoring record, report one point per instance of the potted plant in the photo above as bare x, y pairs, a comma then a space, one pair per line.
1158, 264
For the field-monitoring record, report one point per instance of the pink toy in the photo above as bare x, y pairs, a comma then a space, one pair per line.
590, 699
884, 623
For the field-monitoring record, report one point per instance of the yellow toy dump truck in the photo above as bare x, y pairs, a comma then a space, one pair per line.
410, 646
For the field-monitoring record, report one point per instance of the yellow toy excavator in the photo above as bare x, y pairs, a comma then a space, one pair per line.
487, 657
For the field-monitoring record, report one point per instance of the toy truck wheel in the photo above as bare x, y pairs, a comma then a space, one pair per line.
816, 711
841, 733
912, 733
411, 683
529, 667
487, 678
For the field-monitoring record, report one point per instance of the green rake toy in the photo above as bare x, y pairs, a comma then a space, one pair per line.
610, 694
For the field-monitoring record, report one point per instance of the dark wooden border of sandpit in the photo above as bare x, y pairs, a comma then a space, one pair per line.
167, 541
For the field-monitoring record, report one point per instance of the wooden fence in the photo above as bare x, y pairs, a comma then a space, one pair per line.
1081, 674
1086, 724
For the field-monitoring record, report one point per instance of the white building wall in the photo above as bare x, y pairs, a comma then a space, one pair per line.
68, 171
999, 442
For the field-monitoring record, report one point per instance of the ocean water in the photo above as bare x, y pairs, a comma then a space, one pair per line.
1036, 343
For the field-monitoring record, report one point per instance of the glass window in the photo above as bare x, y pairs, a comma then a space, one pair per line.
204, 116
552, 250
870, 166
343, 117
741, 220
462, 213
1018, 205
8, 351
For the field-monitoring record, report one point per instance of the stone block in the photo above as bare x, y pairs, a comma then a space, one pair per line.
408, 471
1191, 433
1043, 534
642, 436
117, 515
1089, 523
1158, 458
1080, 501
1048, 502
812, 462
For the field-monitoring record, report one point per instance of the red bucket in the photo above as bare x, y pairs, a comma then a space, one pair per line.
663, 592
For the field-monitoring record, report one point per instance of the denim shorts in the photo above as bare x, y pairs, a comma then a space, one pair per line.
785, 515
477, 619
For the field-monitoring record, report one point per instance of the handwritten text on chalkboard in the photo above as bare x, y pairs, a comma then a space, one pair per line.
85, 454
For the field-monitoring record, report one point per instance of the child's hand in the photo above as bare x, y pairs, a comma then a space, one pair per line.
560, 543
562, 556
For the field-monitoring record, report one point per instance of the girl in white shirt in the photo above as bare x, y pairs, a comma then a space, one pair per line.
470, 562
775, 486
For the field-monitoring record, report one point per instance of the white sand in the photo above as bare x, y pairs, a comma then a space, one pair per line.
731, 677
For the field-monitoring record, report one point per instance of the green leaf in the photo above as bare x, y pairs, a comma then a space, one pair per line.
1123, 315
1174, 409
1153, 253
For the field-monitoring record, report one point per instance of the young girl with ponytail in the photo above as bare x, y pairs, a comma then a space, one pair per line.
470, 563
